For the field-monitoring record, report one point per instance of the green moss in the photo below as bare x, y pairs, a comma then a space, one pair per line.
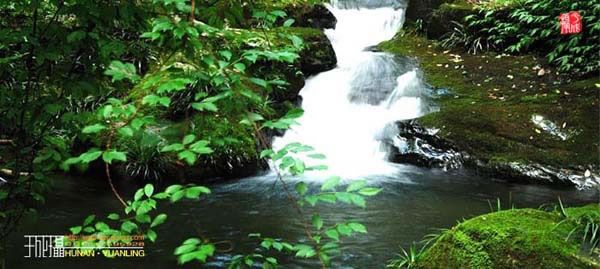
493, 98
517, 238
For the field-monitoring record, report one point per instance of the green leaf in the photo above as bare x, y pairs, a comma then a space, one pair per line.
90, 156
312, 199
240, 67
327, 197
148, 190
330, 183
126, 131
173, 188
89, 220
205, 106
160, 219
266, 152
151, 235
177, 196
173, 147
138, 194
301, 188
288, 23
317, 156
369, 191
333, 234
344, 229
185, 248
93, 129
113, 216
356, 185
304, 251
75, 230
317, 221
109, 156
358, 200
188, 156
259, 82
101, 226
119, 71
189, 139
357, 227
194, 192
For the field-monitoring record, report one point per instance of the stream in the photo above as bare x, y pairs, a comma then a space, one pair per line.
347, 114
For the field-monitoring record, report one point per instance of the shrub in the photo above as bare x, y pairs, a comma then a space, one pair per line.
533, 25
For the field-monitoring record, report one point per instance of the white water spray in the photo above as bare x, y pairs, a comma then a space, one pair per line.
347, 108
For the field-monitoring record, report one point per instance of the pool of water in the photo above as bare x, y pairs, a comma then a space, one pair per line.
412, 203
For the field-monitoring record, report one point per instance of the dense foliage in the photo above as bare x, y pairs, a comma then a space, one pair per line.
90, 84
533, 25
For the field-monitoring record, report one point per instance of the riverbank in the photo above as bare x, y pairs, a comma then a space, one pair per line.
511, 117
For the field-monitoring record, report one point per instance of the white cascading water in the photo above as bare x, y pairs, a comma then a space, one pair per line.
347, 108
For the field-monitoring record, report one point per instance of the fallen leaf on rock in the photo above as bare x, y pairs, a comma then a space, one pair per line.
446, 51
587, 173
538, 131
541, 72
510, 76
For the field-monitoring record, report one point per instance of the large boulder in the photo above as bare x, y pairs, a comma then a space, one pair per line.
517, 238
315, 16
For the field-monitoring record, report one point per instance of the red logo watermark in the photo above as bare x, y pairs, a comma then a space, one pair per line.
570, 23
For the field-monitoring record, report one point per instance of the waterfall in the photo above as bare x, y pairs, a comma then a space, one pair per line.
347, 109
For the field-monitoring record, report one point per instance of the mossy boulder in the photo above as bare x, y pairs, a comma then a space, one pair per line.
490, 109
443, 19
515, 238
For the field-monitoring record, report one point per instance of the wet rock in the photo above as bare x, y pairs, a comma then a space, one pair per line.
421, 9
420, 146
318, 56
316, 16
537, 173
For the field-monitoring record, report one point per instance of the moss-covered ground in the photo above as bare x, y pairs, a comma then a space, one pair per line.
493, 97
514, 238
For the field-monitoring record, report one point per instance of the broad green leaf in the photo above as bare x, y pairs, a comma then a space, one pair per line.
357, 227
356, 185
317, 221
90, 156
88, 220
344, 229
113, 216
160, 219
188, 156
148, 190
333, 234
173, 147
93, 129
151, 235
75, 230
369, 191
189, 139
288, 22
109, 156
259, 82
194, 192
301, 188
177, 196
330, 183
317, 156
119, 71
